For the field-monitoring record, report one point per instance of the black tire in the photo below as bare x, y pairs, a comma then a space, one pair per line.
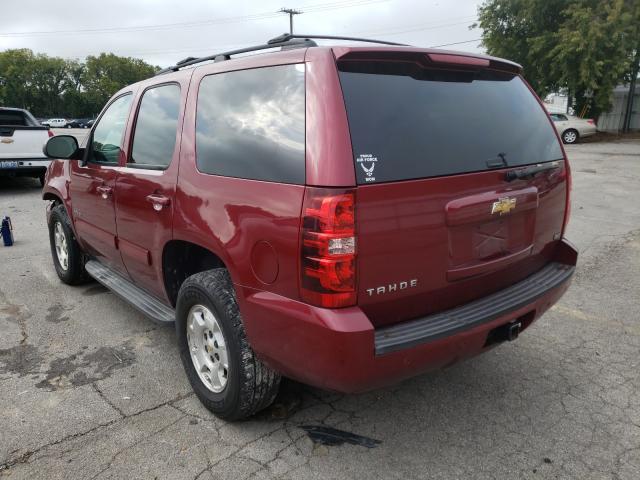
570, 136
251, 385
41, 178
75, 273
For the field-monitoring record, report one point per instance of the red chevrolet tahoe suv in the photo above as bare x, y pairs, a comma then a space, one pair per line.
346, 216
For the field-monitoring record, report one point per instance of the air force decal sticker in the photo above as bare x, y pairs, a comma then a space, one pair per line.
368, 163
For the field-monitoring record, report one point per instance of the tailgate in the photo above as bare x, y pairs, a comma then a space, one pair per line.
22, 142
442, 217
428, 245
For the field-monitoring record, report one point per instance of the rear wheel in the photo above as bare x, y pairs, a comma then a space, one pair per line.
570, 136
67, 256
222, 368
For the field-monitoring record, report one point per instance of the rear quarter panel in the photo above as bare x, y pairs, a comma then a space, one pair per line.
251, 225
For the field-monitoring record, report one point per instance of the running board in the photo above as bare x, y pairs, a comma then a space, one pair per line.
146, 303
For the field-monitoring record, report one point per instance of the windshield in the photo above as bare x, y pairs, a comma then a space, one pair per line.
408, 122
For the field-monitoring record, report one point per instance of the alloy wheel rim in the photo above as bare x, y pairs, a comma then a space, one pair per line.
62, 249
570, 137
208, 348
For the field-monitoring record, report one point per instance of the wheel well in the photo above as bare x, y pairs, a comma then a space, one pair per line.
52, 197
182, 259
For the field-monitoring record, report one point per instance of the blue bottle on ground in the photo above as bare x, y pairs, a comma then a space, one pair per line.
7, 232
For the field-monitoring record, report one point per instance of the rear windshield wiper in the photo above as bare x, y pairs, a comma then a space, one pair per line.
530, 171
499, 162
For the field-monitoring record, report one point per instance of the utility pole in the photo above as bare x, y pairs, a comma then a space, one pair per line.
628, 112
291, 13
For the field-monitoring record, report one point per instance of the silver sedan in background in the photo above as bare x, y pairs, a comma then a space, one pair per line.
571, 128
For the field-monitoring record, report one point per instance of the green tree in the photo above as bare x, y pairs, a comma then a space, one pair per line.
107, 73
586, 47
49, 86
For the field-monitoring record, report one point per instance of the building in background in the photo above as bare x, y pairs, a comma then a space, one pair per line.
556, 103
613, 120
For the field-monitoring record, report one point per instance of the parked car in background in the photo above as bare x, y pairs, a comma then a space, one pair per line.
571, 128
55, 123
21, 142
79, 123
269, 206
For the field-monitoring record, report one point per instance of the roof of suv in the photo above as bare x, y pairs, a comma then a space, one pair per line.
287, 42
294, 50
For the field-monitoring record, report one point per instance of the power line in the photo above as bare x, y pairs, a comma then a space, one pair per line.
313, 8
413, 29
455, 43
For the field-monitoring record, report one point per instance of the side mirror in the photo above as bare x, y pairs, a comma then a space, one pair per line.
63, 147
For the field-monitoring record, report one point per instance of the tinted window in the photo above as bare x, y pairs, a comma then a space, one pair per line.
408, 122
155, 135
250, 124
106, 144
14, 118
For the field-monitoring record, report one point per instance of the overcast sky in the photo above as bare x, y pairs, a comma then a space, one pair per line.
164, 31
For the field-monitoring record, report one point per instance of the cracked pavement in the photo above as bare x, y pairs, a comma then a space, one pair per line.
89, 388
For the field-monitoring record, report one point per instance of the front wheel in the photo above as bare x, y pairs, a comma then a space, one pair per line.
66, 253
222, 368
570, 136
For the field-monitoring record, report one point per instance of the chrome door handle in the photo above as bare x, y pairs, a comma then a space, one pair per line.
104, 191
158, 201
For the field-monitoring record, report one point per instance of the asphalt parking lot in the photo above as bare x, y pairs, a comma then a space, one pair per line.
89, 388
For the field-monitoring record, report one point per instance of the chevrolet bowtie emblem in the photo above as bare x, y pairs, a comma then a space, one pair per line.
503, 205
7, 140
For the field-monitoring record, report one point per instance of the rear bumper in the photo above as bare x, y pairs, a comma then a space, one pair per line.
587, 131
341, 350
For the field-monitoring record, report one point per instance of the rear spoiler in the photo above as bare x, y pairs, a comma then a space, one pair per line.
426, 58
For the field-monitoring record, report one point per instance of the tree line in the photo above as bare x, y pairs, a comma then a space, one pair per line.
53, 86
583, 47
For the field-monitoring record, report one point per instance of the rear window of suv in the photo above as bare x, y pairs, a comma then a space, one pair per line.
408, 122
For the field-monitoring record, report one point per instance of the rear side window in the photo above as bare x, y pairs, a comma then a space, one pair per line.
251, 124
12, 118
154, 139
408, 122
556, 117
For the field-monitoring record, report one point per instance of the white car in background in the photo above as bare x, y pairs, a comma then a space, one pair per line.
571, 128
21, 141
55, 123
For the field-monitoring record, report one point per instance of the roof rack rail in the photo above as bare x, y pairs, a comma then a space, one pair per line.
218, 57
286, 41
289, 36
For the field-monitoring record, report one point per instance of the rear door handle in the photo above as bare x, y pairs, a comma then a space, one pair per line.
158, 201
104, 191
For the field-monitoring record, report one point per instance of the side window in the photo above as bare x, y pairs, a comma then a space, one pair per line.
106, 143
154, 139
251, 124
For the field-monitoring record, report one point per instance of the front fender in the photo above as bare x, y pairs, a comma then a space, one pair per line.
56, 187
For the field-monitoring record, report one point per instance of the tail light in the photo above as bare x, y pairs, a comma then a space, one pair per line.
50, 133
591, 121
328, 248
